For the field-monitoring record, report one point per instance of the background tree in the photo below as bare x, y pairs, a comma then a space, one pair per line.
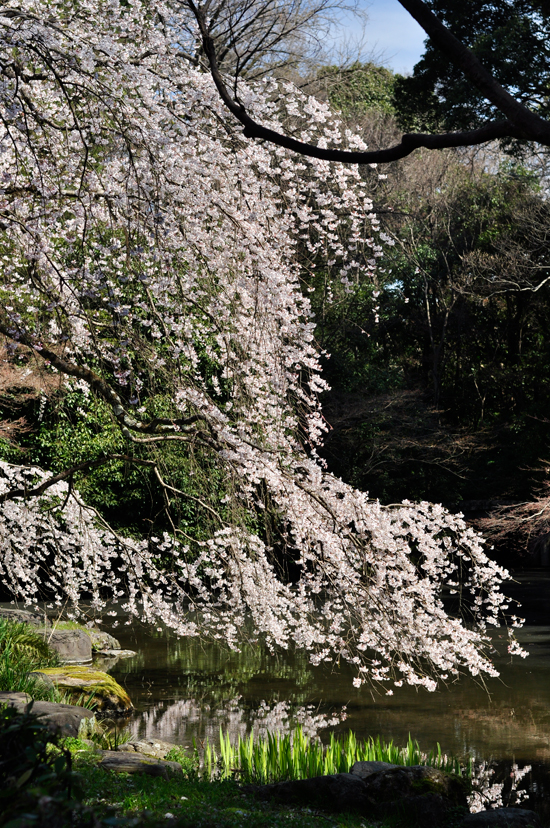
520, 122
439, 371
254, 39
509, 37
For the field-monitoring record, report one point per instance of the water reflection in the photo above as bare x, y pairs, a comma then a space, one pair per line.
184, 689
183, 720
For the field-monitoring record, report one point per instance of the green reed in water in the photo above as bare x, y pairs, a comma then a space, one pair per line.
276, 757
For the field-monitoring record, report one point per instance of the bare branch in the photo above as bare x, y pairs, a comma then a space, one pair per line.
520, 123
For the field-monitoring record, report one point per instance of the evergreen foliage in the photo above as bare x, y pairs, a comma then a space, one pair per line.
510, 38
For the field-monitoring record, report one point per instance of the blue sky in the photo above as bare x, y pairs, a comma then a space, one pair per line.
393, 37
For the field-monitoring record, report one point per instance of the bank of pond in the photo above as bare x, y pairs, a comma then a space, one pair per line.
274, 774
48, 779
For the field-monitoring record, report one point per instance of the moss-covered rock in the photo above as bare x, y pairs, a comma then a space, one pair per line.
85, 685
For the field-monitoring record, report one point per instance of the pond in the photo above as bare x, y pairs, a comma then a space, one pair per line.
185, 689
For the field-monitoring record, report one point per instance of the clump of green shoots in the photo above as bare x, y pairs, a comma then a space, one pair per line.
277, 757
22, 651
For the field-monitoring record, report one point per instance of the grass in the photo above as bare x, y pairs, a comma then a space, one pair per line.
69, 625
296, 756
107, 737
209, 796
22, 651
193, 802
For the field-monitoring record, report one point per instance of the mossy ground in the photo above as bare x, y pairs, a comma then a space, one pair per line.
70, 625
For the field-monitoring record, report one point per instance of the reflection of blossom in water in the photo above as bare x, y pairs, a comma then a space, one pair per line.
280, 718
182, 720
486, 794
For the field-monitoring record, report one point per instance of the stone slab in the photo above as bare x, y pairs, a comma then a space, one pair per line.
147, 747
126, 762
67, 719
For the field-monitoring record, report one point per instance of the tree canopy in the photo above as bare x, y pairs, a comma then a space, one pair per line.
509, 37
152, 261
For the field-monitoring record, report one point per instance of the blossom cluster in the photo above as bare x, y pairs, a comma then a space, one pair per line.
146, 243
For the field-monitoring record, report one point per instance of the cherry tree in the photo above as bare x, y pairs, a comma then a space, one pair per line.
145, 240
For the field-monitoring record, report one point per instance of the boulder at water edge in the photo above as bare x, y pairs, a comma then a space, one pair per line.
67, 719
102, 640
84, 684
72, 646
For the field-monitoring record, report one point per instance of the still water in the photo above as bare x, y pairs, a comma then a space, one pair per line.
183, 689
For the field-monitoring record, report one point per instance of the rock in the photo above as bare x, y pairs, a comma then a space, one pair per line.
115, 653
14, 699
424, 796
67, 719
94, 685
147, 747
425, 811
502, 818
101, 640
364, 769
25, 617
72, 646
126, 762
104, 663
339, 792
402, 781
42, 679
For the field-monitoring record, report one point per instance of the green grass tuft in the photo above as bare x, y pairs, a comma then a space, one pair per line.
194, 802
22, 650
296, 756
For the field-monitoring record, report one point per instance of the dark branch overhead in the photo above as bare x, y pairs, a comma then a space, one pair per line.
519, 123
